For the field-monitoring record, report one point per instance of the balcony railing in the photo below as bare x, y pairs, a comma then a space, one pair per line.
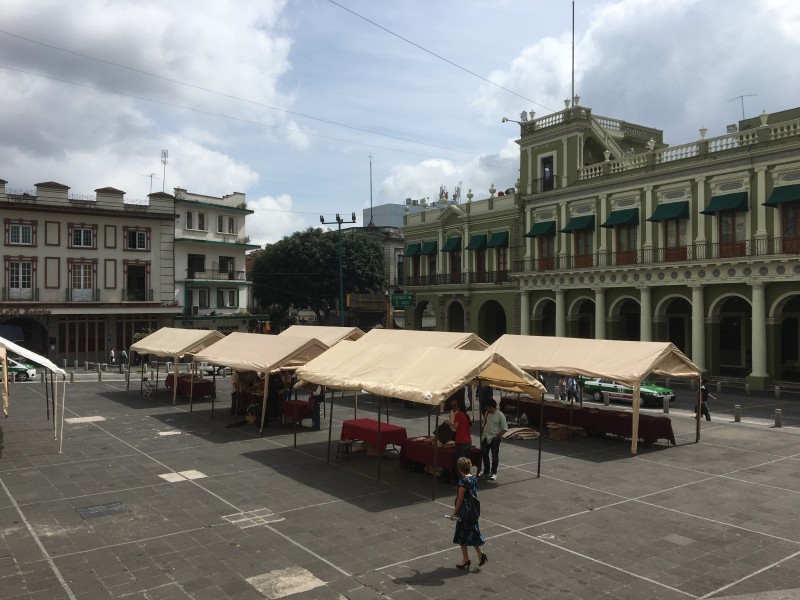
489, 277
20, 295
83, 295
137, 295
451, 279
210, 274
693, 252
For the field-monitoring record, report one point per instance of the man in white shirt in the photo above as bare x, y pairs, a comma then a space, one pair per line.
494, 426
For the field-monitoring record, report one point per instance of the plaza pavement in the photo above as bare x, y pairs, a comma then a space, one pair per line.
155, 502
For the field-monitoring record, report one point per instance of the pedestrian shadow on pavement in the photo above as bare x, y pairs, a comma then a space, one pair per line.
439, 577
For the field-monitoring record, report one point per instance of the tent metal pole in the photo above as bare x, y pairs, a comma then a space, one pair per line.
698, 403
541, 435
435, 454
330, 425
380, 448
635, 417
214, 391
47, 398
193, 372
128, 371
158, 366
63, 408
54, 400
264, 399
429, 420
294, 423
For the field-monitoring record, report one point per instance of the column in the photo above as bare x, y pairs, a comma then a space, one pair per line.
698, 327
561, 315
599, 314
602, 215
525, 312
649, 241
645, 315
757, 200
759, 324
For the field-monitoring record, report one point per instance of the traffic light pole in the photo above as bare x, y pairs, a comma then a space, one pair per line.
339, 220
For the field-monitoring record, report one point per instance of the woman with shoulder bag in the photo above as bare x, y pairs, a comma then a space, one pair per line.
467, 532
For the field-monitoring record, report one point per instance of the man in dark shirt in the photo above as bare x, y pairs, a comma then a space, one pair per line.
704, 400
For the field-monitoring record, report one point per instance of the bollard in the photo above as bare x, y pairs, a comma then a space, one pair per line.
64, 361
737, 413
777, 392
72, 376
746, 390
719, 387
606, 400
76, 364
42, 376
99, 373
152, 375
778, 417
666, 405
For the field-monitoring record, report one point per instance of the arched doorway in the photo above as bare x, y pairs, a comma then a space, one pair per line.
425, 316
455, 317
585, 320
734, 337
545, 318
787, 358
627, 315
678, 318
491, 321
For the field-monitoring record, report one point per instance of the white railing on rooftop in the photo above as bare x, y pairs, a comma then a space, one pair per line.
549, 120
637, 161
609, 123
784, 130
672, 153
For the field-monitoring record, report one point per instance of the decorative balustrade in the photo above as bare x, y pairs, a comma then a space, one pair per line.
590, 172
20, 294
137, 295
673, 153
628, 163
549, 120
609, 123
784, 130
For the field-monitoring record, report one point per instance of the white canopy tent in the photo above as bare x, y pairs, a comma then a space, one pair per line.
623, 361
425, 375
8, 347
409, 337
330, 336
262, 354
174, 343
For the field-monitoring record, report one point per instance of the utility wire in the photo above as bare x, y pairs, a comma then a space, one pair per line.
440, 57
223, 94
239, 119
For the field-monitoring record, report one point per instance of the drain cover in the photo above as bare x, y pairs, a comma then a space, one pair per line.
101, 510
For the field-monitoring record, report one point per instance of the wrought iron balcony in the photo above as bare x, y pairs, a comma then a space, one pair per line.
137, 295
215, 274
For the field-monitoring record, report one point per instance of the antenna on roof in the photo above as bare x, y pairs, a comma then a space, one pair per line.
151, 176
742, 97
371, 222
573, 50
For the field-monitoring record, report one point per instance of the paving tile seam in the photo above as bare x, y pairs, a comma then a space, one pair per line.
66, 463
95, 494
140, 541
32, 532
751, 575
640, 499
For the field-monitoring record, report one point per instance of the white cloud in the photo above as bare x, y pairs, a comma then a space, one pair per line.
272, 220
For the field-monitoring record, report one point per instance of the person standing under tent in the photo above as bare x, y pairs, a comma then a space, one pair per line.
494, 426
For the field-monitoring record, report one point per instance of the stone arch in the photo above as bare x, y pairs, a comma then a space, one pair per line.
673, 315
492, 321
731, 334
784, 323
456, 316
425, 316
580, 317
625, 313
544, 317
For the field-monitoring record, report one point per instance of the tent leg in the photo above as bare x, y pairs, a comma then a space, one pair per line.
47, 398
380, 448
541, 435
158, 366
435, 455
330, 426
214, 394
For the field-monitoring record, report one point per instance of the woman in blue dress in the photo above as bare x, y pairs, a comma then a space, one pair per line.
467, 533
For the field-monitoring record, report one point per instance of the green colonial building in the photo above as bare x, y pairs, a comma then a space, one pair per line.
611, 234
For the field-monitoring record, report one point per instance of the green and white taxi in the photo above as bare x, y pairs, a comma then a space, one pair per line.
650, 394
19, 370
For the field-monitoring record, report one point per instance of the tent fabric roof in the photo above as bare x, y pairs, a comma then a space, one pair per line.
261, 353
174, 342
622, 361
428, 375
31, 356
327, 335
438, 339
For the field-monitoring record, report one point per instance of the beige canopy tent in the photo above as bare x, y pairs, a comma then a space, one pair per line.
409, 337
623, 361
8, 347
425, 375
174, 343
262, 354
330, 336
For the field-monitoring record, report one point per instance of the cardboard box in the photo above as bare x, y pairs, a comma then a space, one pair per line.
556, 431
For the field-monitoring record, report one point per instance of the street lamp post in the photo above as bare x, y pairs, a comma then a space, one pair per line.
339, 220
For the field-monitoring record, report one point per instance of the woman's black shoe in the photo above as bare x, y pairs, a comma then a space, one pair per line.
465, 565
484, 560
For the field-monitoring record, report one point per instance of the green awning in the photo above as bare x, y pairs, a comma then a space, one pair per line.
452, 244
428, 248
627, 216
785, 193
545, 228
498, 240
670, 211
725, 202
584, 223
412, 250
477, 242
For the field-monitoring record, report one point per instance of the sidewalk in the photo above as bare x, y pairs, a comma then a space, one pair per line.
150, 501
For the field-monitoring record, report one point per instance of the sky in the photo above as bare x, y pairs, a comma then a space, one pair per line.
295, 103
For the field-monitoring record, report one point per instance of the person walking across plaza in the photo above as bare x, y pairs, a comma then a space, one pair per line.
468, 533
112, 357
494, 426
704, 395
572, 389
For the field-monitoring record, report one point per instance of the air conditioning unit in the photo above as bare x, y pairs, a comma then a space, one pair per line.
195, 311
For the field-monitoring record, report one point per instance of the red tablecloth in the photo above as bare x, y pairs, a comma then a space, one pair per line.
595, 420
367, 430
296, 409
202, 387
412, 450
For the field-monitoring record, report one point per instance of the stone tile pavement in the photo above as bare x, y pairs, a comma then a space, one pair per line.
156, 502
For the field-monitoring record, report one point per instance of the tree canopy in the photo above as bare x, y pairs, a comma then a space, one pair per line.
303, 270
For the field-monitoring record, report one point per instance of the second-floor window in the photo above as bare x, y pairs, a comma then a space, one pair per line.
547, 251
136, 240
20, 234
231, 225
676, 236
196, 220
502, 258
82, 276
82, 236
731, 233
626, 244
583, 248
455, 263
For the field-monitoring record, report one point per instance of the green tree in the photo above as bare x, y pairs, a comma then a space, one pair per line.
303, 270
